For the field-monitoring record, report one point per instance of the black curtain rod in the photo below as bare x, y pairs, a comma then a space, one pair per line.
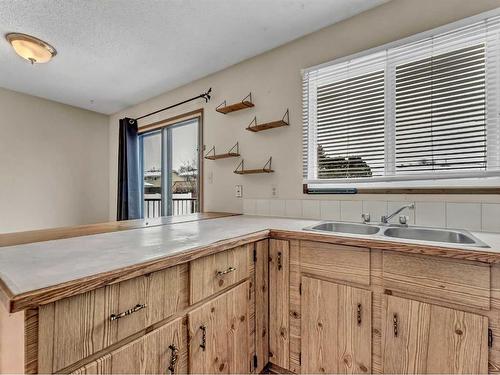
205, 96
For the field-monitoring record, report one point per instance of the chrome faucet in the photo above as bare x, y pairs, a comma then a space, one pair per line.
385, 219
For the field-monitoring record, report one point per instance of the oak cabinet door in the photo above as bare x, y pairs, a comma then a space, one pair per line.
163, 351
220, 335
428, 339
335, 328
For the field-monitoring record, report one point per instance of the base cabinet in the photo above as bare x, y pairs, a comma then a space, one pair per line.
421, 338
220, 334
163, 351
336, 328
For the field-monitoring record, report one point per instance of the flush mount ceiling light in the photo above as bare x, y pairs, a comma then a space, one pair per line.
30, 48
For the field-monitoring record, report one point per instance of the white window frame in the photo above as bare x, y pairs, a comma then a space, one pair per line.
488, 178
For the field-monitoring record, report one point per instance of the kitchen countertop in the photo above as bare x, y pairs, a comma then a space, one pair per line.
29, 269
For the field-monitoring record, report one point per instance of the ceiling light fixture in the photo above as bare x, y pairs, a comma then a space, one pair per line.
30, 48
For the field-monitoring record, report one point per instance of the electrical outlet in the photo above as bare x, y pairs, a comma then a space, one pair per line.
274, 191
238, 191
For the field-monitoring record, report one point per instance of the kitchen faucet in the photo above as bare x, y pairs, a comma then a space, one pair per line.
385, 219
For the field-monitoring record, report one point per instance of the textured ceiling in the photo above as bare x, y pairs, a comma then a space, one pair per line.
116, 53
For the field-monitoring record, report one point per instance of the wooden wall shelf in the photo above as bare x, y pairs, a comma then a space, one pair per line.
240, 169
254, 127
225, 109
233, 152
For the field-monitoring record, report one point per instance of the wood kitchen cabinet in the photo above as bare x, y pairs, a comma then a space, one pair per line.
422, 338
336, 328
163, 351
219, 331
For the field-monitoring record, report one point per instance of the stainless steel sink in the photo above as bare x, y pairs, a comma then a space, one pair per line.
345, 228
434, 235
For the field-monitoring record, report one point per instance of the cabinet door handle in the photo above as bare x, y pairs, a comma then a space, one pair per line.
395, 324
358, 314
229, 270
134, 309
203, 344
174, 356
280, 266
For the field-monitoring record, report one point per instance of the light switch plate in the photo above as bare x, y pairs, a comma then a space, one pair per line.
239, 191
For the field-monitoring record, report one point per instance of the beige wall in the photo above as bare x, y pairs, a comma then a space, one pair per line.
53, 169
275, 82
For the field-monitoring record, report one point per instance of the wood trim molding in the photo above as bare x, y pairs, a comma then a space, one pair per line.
443, 190
197, 113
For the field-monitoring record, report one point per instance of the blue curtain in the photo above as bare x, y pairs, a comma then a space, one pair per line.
129, 183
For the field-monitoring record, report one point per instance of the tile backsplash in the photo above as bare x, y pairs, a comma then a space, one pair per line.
471, 216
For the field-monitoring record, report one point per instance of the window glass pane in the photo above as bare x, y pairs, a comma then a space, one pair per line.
185, 173
350, 127
152, 175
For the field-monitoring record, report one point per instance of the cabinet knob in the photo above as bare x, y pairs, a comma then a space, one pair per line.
134, 309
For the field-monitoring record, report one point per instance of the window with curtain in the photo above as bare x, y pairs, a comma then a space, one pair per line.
424, 110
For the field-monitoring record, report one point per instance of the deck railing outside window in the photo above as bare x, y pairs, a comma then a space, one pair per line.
180, 206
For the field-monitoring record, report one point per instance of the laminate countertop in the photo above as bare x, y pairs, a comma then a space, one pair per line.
29, 271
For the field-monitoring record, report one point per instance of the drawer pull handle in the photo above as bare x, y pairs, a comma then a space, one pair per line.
395, 324
358, 314
134, 309
203, 344
229, 270
174, 356
280, 266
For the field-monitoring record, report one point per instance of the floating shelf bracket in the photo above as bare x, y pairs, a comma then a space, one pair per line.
232, 153
245, 103
254, 127
240, 169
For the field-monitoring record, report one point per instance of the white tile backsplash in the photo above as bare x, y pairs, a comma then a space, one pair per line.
430, 214
329, 210
410, 213
490, 219
310, 209
293, 208
463, 216
351, 210
263, 207
376, 209
277, 207
460, 215
249, 206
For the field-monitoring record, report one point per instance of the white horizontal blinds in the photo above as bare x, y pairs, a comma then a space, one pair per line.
346, 121
427, 109
440, 113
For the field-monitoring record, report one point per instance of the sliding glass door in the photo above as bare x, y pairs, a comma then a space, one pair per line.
170, 169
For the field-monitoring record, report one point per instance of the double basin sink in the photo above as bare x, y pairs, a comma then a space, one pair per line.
435, 235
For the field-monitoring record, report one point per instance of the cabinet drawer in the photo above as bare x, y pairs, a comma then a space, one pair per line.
163, 351
453, 281
76, 327
213, 273
337, 262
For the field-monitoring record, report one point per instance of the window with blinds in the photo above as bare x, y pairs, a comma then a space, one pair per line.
441, 112
425, 109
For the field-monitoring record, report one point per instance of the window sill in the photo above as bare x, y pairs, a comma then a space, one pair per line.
485, 185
